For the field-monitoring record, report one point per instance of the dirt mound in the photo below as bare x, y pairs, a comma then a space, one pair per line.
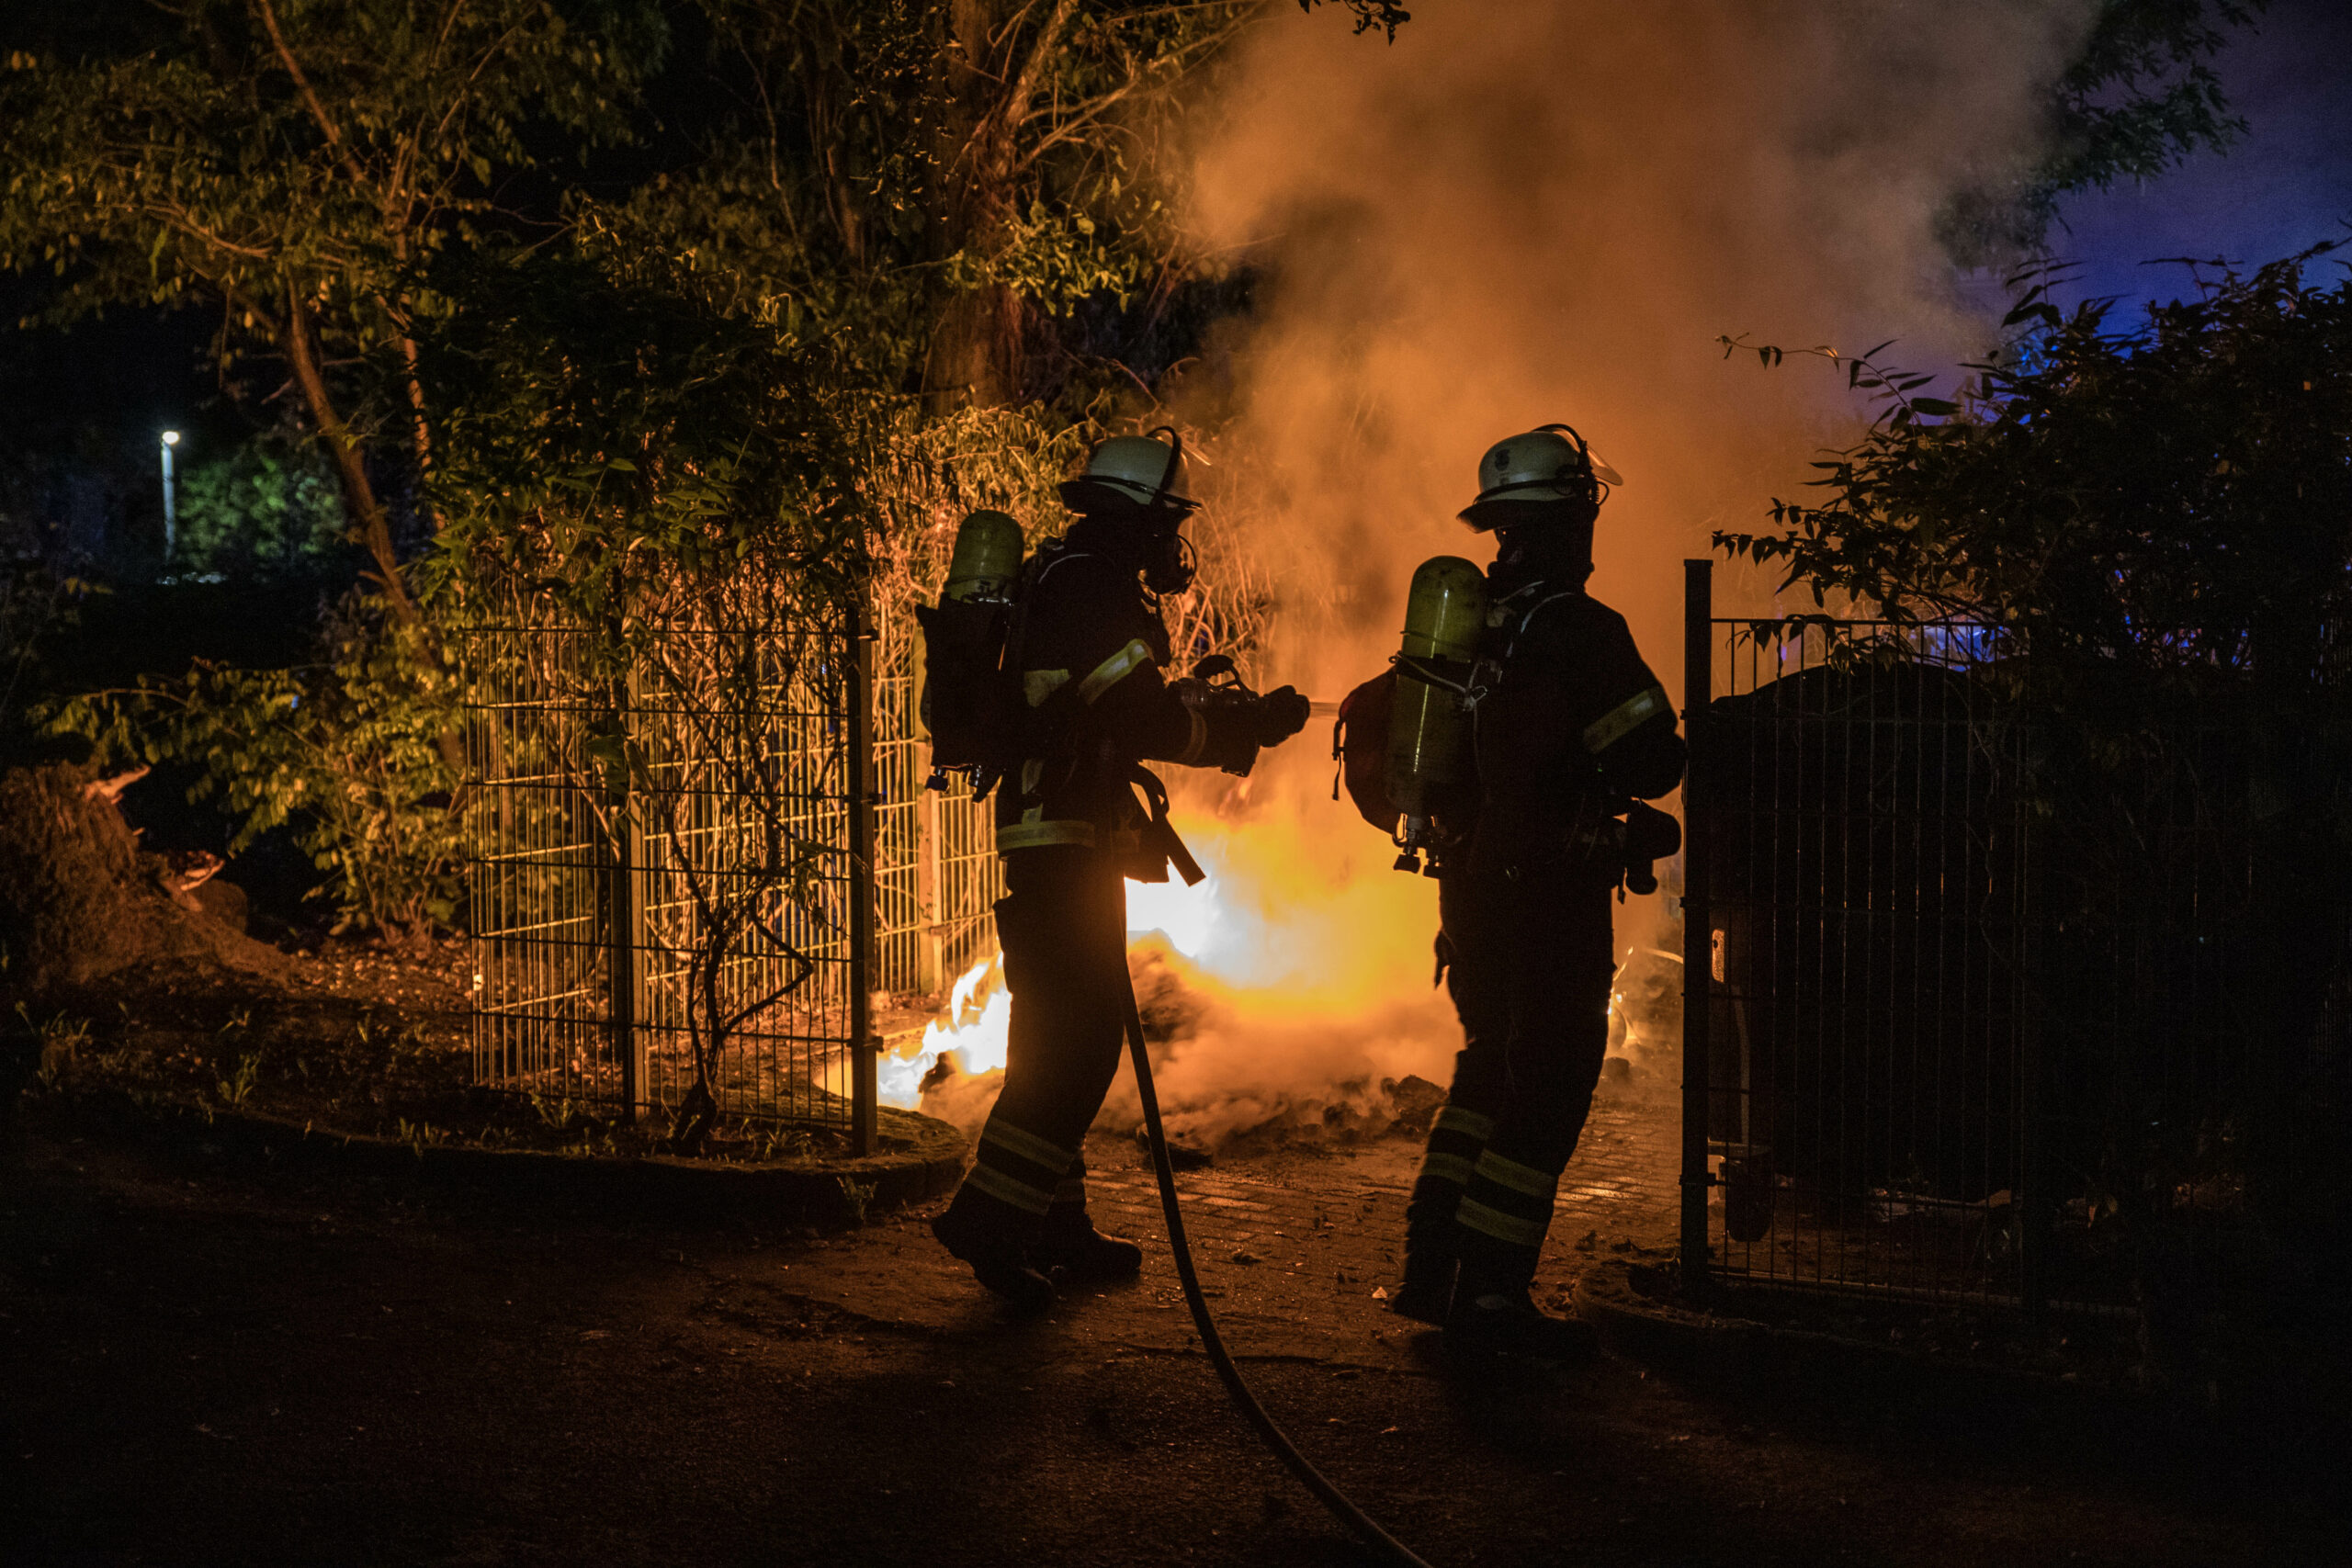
83, 901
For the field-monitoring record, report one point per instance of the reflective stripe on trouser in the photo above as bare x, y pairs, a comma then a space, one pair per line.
1063, 927
1505, 1211
1456, 1139
1069, 1210
1531, 979
1016, 1167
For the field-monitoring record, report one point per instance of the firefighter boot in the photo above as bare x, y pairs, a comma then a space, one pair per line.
1431, 1251
1430, 1259
1494, 1319
1070, 1243
1083, 1253
990, 1235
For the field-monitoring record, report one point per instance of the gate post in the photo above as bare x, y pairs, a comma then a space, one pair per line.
2033, 1207
865, 1084
930, 909
1698, 946
931, 945
625, 908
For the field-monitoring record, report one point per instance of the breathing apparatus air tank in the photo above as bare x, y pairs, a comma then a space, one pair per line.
987, 558
1429, 728
962, 648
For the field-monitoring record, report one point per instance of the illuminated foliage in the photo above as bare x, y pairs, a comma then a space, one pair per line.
2170, 497
291, 164
342, 752
2139, 96
269, 508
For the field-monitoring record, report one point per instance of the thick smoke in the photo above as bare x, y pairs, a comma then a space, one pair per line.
1523, 212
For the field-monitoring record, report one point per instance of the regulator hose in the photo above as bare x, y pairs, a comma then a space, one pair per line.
1366, 1528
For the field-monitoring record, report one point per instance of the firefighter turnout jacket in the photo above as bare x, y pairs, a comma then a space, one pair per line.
1570, 724
1092, 652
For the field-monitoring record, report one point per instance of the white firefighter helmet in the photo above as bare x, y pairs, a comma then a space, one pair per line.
1131, 471
1550, 462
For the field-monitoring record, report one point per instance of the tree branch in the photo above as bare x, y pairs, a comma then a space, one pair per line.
375, 529
318, 110
395, 221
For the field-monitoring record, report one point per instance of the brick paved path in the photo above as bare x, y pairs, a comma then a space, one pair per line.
1290, 1246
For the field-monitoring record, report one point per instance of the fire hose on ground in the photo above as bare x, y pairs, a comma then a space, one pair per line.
1365, 1527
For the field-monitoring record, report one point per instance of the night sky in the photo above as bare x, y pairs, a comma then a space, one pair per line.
2285, 186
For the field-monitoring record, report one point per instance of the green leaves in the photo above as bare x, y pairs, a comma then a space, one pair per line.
343, 751
2170, 503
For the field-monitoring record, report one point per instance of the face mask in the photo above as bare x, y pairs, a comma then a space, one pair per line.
1168, 563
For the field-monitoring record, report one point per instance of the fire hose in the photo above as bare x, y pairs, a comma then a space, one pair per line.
1342, 1508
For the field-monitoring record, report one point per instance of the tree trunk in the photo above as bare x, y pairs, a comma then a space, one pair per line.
974, 356
374, 528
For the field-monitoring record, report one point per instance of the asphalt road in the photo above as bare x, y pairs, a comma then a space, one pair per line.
200, 1366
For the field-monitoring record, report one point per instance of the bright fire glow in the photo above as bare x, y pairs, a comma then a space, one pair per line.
1317, 953
978, 1021
975, 1026
1296, 918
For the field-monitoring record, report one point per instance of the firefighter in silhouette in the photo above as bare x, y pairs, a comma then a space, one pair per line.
1570, 730
1091, 653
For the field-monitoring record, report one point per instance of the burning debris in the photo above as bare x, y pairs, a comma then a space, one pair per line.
1286, 1007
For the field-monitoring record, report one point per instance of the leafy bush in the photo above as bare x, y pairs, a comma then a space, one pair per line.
269, 508
345, 751
2156, 521
2171, 499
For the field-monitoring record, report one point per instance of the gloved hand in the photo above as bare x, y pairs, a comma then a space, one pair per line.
1280, 713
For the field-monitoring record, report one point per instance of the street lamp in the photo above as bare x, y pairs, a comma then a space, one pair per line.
171, 504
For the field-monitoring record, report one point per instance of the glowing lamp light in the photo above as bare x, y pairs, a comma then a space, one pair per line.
171, 501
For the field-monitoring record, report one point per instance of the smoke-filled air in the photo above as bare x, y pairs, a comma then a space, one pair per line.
1519, 212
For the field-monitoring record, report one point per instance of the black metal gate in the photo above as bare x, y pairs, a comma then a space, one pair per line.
1965, 1019
1856, 912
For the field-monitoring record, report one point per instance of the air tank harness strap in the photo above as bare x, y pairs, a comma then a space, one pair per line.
1449, 674
1160, 834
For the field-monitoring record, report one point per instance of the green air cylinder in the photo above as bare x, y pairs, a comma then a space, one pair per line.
987, 558
963, 646
1429, 729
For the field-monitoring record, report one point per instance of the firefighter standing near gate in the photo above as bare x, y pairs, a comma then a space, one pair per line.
1089, 698
1569, 729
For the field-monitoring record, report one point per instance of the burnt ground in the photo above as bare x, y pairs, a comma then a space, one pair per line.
210, 1366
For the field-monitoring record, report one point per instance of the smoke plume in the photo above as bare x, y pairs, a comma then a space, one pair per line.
1517, 213
1528, 210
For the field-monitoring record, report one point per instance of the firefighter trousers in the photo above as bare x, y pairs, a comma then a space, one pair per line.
1528, 964
1063, 928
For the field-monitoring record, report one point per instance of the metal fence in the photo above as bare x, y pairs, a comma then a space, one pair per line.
611, 923
1960, 1025
937, 876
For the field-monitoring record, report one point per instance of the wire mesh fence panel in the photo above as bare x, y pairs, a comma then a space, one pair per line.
745, 937
936, 873
655, 881
2161, 994
662, 882
1867, 871
539, 874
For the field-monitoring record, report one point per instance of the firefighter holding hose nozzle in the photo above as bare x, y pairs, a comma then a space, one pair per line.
1526, 731
1046, 680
